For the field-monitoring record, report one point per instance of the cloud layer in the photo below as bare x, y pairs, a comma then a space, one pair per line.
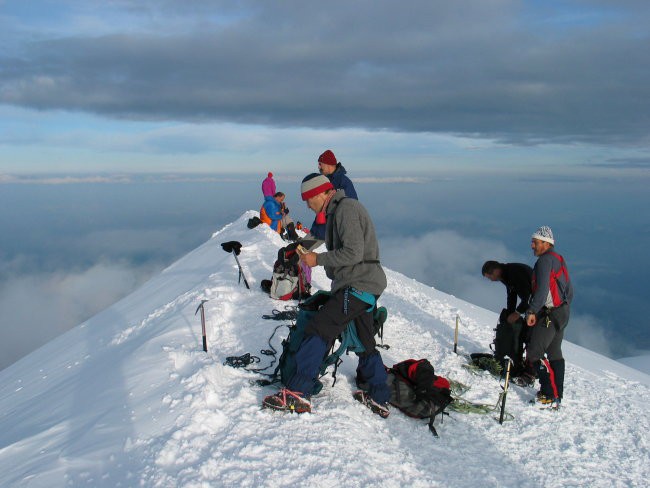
35, 308
511, 71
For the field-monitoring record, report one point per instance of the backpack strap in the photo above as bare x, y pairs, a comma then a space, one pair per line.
364, 296
350, 342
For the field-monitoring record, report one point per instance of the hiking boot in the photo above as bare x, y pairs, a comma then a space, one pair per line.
547, 401
287, 401
363, 397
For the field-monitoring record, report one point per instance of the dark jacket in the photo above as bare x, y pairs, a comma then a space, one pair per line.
340, 182
352, 257
517, 278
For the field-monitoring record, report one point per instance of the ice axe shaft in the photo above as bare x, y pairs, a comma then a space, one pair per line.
456, 336
241, 272
205, 340
505, 391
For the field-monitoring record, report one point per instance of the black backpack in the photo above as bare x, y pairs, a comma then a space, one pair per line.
509, 341
417, 391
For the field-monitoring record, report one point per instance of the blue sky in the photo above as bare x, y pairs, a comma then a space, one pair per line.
144, 86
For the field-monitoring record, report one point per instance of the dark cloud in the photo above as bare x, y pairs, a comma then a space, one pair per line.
520, 74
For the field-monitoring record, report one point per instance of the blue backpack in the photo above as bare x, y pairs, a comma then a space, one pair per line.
349, 340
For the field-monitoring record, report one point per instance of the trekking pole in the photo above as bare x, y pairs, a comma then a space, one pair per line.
235, 248
456, 336
505, 390
205, 340
241, 272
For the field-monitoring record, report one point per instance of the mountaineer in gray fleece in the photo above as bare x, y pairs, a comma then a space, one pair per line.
352, 257
352, 263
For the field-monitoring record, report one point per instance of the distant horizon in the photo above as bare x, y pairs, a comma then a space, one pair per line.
548, 171
76, 248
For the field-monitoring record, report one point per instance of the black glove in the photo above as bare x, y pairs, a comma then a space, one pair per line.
285, 210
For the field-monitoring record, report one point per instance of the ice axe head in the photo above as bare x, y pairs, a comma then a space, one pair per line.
200, 306
232, 246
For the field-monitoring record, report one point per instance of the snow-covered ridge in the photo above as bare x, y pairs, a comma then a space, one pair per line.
129, 398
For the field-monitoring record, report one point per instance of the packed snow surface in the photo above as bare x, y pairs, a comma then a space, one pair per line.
129, 398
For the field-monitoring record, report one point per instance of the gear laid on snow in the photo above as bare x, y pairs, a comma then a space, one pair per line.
286, 400
234, 247
417, 391
380, 409
289, 313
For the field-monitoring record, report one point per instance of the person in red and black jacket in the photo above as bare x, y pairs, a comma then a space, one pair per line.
548, 315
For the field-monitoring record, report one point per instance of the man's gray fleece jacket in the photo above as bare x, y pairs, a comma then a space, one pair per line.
352, 257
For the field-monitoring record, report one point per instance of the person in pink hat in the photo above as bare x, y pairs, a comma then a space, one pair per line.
268, 186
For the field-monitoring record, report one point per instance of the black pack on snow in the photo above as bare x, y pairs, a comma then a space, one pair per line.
253, 222
348, 341
417, 391
509, 341
289, 281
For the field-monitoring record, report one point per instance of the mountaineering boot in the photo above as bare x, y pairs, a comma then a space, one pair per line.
548, 401
381, 410
287, 401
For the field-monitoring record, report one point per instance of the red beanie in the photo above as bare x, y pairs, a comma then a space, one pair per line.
327, 158
270, 175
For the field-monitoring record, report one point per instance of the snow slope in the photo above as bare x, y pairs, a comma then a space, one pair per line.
642, 362
129, 398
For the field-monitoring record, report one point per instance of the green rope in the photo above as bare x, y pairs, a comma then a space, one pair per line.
457, 388
462, 405
485, 364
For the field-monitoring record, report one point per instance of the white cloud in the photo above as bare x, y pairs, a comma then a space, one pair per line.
36, 308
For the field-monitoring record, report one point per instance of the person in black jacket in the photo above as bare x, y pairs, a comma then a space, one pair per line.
511, 333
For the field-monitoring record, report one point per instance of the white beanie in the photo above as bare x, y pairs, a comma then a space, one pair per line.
544, 233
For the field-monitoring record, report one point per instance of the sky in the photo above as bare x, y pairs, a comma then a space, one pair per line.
549, 99
144, 86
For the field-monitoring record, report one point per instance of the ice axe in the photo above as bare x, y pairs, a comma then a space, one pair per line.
235, 248
200, 307
504, 394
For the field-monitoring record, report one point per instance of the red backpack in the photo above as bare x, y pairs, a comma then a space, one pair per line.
417, 391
